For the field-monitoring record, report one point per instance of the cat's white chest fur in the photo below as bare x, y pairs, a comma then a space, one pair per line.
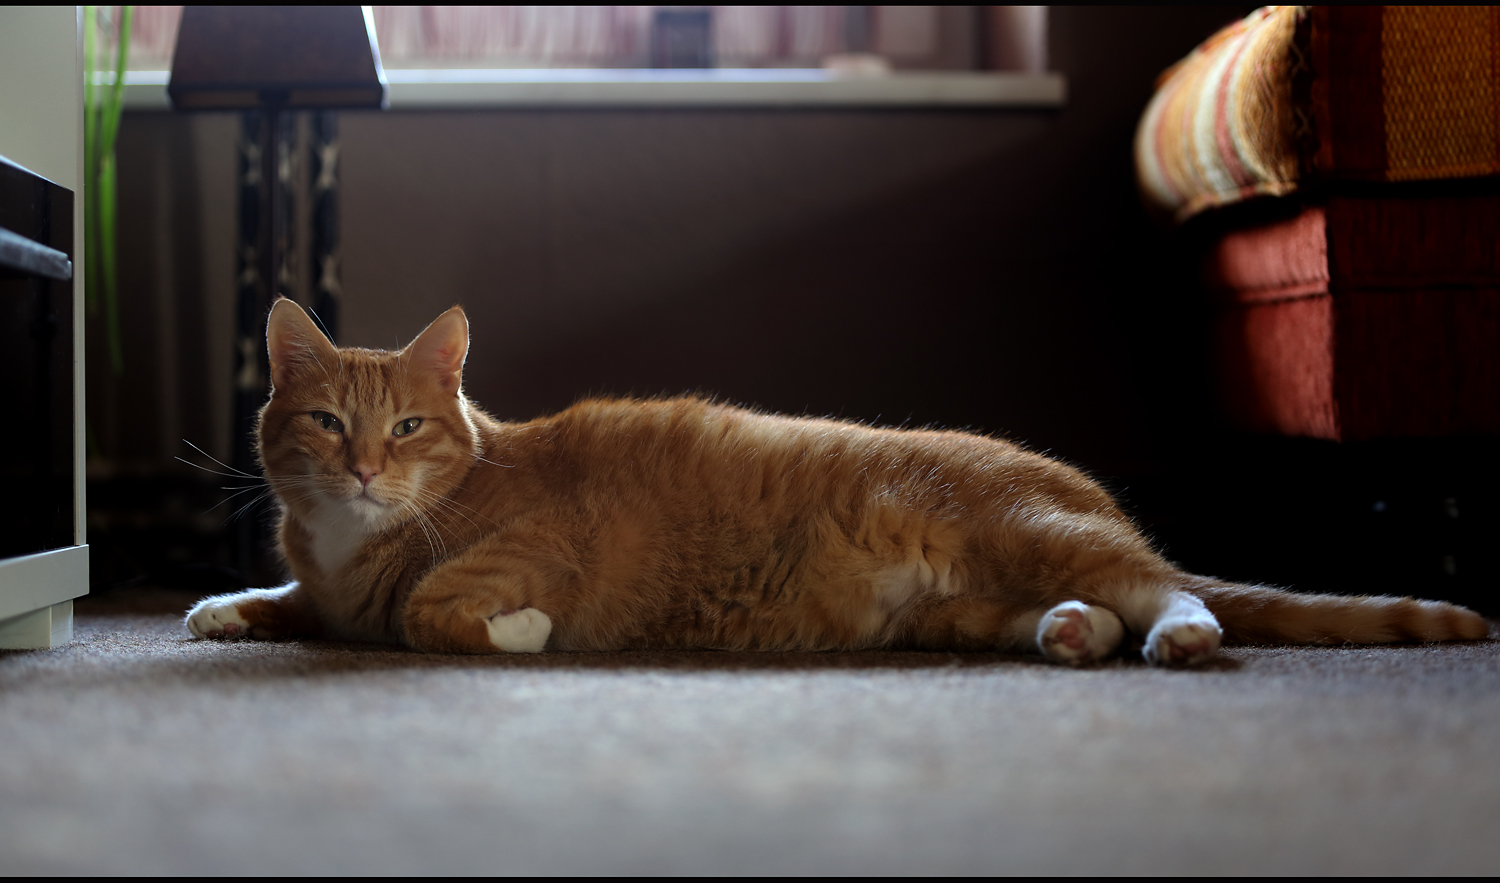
336, 536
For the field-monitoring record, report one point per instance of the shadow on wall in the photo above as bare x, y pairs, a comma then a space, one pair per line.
862, 314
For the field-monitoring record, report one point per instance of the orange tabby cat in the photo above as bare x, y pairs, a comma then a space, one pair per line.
407, 514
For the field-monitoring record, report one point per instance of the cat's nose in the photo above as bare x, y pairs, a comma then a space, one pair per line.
365, 473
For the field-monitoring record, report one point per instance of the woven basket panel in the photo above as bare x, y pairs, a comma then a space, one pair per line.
1438, 72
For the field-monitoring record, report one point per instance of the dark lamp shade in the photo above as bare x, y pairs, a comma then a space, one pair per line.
290, 57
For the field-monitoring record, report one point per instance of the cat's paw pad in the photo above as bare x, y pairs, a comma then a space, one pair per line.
1183, 641
217, 618
1074, 633
520, 631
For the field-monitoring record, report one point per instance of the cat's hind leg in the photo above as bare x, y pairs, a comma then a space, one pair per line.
1075, 633
1100, 560
1178, 627
1185, 633
1072, 633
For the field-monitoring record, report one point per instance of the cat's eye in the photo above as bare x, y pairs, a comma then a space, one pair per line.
407, 426
327, 421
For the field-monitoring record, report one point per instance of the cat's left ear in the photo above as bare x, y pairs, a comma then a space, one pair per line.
441, 349
293, 342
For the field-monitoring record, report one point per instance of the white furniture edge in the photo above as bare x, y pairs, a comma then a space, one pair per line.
80, 444
716, 88
36, 596
37, 591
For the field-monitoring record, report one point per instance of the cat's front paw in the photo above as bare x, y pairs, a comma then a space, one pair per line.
1074, 633
520, 631
1183, 640
217, 617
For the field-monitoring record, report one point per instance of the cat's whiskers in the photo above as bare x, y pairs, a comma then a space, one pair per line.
236, 493
433, 498
421, 497
304, 496
315, 481
240, 475
263, 495
314, 486
262, 486
304, 491
239, 472
423, 521
417, 518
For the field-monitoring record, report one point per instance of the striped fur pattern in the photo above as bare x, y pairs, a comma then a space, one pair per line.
410, 515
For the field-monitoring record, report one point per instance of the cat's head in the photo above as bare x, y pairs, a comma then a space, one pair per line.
371, 434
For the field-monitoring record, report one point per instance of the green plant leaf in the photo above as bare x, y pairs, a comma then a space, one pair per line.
101, 125
107, 260
115, 104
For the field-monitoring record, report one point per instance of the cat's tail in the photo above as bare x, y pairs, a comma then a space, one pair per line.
1260, 615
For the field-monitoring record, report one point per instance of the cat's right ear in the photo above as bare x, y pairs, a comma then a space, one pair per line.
294, 342
439, 351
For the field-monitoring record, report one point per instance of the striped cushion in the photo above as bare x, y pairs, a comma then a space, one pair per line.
1219, 128
1330, 93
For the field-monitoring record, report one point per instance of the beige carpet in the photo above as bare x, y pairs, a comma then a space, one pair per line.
137, 750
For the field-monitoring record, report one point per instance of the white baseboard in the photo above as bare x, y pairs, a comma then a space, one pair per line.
38, 630
31, 583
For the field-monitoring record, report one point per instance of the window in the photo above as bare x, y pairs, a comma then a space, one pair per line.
497, 55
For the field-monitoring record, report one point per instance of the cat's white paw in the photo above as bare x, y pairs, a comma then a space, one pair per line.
520, 631
1074, 633
217, 617
1183, 640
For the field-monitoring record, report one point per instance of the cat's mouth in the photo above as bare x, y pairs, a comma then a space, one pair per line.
366, 499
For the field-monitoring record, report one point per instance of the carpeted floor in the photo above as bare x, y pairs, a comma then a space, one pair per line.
138, 750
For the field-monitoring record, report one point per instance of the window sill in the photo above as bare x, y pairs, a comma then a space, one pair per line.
722, 88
